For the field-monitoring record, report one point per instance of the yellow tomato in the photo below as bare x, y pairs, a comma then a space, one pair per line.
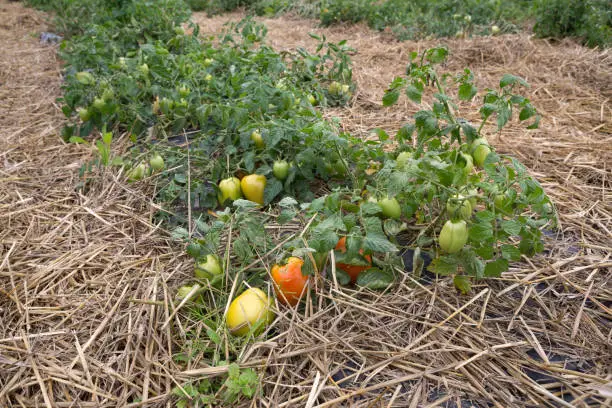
251, 308
253, 187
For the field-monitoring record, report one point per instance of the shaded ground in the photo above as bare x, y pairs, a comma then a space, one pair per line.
86, 278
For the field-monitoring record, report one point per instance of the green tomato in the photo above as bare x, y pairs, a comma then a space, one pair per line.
480, 150
208, 78
480, 154
280, 169
339, 167
453, 237
144, 69
85, 78
184, 91
390, 208
312, 99
156, 162
229, 189
99, 104
108, 94
138, 172
459, 207
468, 163
84, 114
183, 291
345, 89
257, 139
208, 62
334, 88
209, 268
495, 30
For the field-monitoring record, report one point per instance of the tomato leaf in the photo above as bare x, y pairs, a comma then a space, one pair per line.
273, 188
390, 98
414, 93
368, 208
323, 240
481, 231
334, 222
508, 79
469, 131
503, 116
342, 277
472, 265
375, 278
378, 243
510, 252
286, 215
495, 268
462, 283
436, 55
512, 227
443, 265
404, 134
467, 91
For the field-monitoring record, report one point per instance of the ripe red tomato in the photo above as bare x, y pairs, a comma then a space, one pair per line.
289, 282
352, 270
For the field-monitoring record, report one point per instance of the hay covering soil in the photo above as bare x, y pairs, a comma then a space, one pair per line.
86, 278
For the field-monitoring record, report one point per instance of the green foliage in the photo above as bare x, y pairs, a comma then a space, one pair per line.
589, 20
238, 383
133, 68
512, 206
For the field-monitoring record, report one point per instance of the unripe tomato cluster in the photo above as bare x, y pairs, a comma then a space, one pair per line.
142, 169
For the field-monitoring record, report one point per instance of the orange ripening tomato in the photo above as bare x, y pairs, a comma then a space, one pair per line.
289, 281
352, 270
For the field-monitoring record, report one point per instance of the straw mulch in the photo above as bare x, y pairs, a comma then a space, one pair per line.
83, 271
86, 278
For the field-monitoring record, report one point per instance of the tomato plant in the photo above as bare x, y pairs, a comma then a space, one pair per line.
441, 173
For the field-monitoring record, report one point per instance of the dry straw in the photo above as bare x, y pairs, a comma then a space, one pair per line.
86, 278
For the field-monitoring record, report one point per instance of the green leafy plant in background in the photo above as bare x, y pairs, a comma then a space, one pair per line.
589, 20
